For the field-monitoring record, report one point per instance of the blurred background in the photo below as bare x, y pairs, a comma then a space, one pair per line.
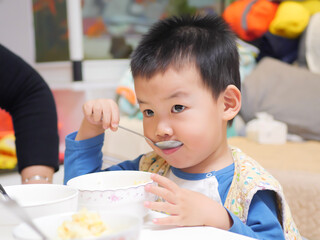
279, 49
38, 31
279, 31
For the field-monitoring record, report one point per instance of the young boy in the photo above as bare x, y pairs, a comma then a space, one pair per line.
187, 83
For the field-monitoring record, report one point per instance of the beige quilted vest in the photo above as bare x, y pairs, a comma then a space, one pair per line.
249, 177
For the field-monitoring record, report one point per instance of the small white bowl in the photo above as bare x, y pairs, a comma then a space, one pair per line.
120, 191
40, 200
123, 227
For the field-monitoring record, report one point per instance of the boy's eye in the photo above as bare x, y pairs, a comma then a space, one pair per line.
148, 113
178, 108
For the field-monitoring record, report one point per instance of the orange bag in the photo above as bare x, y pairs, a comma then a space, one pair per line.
6, 126
250, 19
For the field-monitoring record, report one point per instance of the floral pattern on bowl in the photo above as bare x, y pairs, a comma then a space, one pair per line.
120, 191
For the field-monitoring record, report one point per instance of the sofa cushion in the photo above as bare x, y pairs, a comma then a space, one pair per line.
289, 93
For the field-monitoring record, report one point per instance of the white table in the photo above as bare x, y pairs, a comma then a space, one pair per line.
149, 231
154, 232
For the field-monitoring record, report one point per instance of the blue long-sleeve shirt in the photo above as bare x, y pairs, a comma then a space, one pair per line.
85, 156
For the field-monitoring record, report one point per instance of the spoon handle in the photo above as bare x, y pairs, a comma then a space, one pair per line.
134, 132
4, 193
20, 212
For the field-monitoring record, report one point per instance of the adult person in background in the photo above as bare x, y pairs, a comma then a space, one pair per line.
28, 99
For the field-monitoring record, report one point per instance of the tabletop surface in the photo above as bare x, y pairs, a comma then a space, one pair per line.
155, 232
149, 231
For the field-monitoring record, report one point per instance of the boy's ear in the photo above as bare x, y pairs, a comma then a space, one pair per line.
232, 102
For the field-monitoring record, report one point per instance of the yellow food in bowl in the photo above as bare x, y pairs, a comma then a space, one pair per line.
83, 224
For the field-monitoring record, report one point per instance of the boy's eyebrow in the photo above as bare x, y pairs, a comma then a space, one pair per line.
140, 101
178, 94
175, 94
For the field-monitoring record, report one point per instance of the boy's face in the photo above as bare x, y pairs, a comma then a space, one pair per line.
177, 106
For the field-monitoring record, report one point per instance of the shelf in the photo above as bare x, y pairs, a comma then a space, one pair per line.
82, 86
97, 74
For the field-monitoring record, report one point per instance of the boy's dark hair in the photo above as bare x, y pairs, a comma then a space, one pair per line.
205, 41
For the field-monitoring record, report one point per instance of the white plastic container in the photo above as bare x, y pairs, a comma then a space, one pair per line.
266, 130
39, 200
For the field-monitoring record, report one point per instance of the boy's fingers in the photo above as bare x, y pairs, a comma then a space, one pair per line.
162, 207
87, 110
97, 113
171, 220
165, 182
161, 192
106, 117
115, 116
102, 111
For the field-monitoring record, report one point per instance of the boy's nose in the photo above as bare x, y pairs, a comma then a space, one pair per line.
164, 131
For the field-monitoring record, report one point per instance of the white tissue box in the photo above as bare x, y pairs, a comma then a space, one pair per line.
266, 130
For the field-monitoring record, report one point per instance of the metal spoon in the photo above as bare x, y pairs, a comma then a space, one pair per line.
161, 145
16, 209
4, 193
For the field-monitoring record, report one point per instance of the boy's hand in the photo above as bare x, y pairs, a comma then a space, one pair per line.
99, 114
102, 112
186, 207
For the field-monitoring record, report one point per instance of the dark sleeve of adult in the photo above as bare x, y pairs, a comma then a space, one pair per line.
27, 97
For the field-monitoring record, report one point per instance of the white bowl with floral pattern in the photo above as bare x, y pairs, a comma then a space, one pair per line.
120, 191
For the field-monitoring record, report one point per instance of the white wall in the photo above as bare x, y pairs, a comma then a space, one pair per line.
16, 27
17, 34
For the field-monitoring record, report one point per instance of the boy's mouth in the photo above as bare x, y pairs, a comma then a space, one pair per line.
168, 151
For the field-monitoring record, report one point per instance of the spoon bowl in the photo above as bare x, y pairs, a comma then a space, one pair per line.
168, 144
